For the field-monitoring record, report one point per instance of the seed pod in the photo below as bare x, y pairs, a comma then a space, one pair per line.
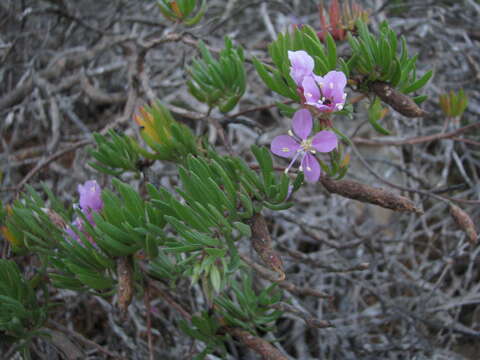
125, 282
464, 222
262, 243
369, 194
257, 344
398, 101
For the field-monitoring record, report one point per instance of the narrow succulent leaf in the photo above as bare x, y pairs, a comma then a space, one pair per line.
278, 207
332, 52
196, 19
420, 99
374, 115
419, 83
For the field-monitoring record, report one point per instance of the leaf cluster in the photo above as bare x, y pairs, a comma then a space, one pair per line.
20, 314
191, 233
119, 230
218, 197
206, 329
219, 83
242, 307
189, 12
248, 309
169, 140
115, 154
377, 58
31, 224
453, 104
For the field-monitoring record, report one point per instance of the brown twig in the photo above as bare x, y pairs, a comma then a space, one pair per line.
258, 108
294, 289
86, 341
168, 298
417, 140
57, 66
151, 352
48, 160
403, 188
305, 259
310, 320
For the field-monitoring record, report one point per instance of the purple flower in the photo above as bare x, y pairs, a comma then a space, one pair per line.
298, 145
90, 198
302, 66
325, 93
90, 201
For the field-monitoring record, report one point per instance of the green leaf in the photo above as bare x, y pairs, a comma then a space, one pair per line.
331, 51
243, 228
286, 110
297, 183
247, 204
215, 279
196, 19
278, 207
419, 99
419, 83
375, 114
282, 189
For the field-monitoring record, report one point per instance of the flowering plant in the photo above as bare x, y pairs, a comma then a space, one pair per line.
190, 232
299, 145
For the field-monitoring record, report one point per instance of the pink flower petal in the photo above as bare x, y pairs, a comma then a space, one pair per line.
302, 65
310, 90
311, 168
90, 196
325, 141
333, 89
284, 146
335, 79
302, 123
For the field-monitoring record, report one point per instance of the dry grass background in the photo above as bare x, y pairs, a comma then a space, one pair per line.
70, 68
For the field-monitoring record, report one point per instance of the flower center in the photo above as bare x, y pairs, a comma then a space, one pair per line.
306, 145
